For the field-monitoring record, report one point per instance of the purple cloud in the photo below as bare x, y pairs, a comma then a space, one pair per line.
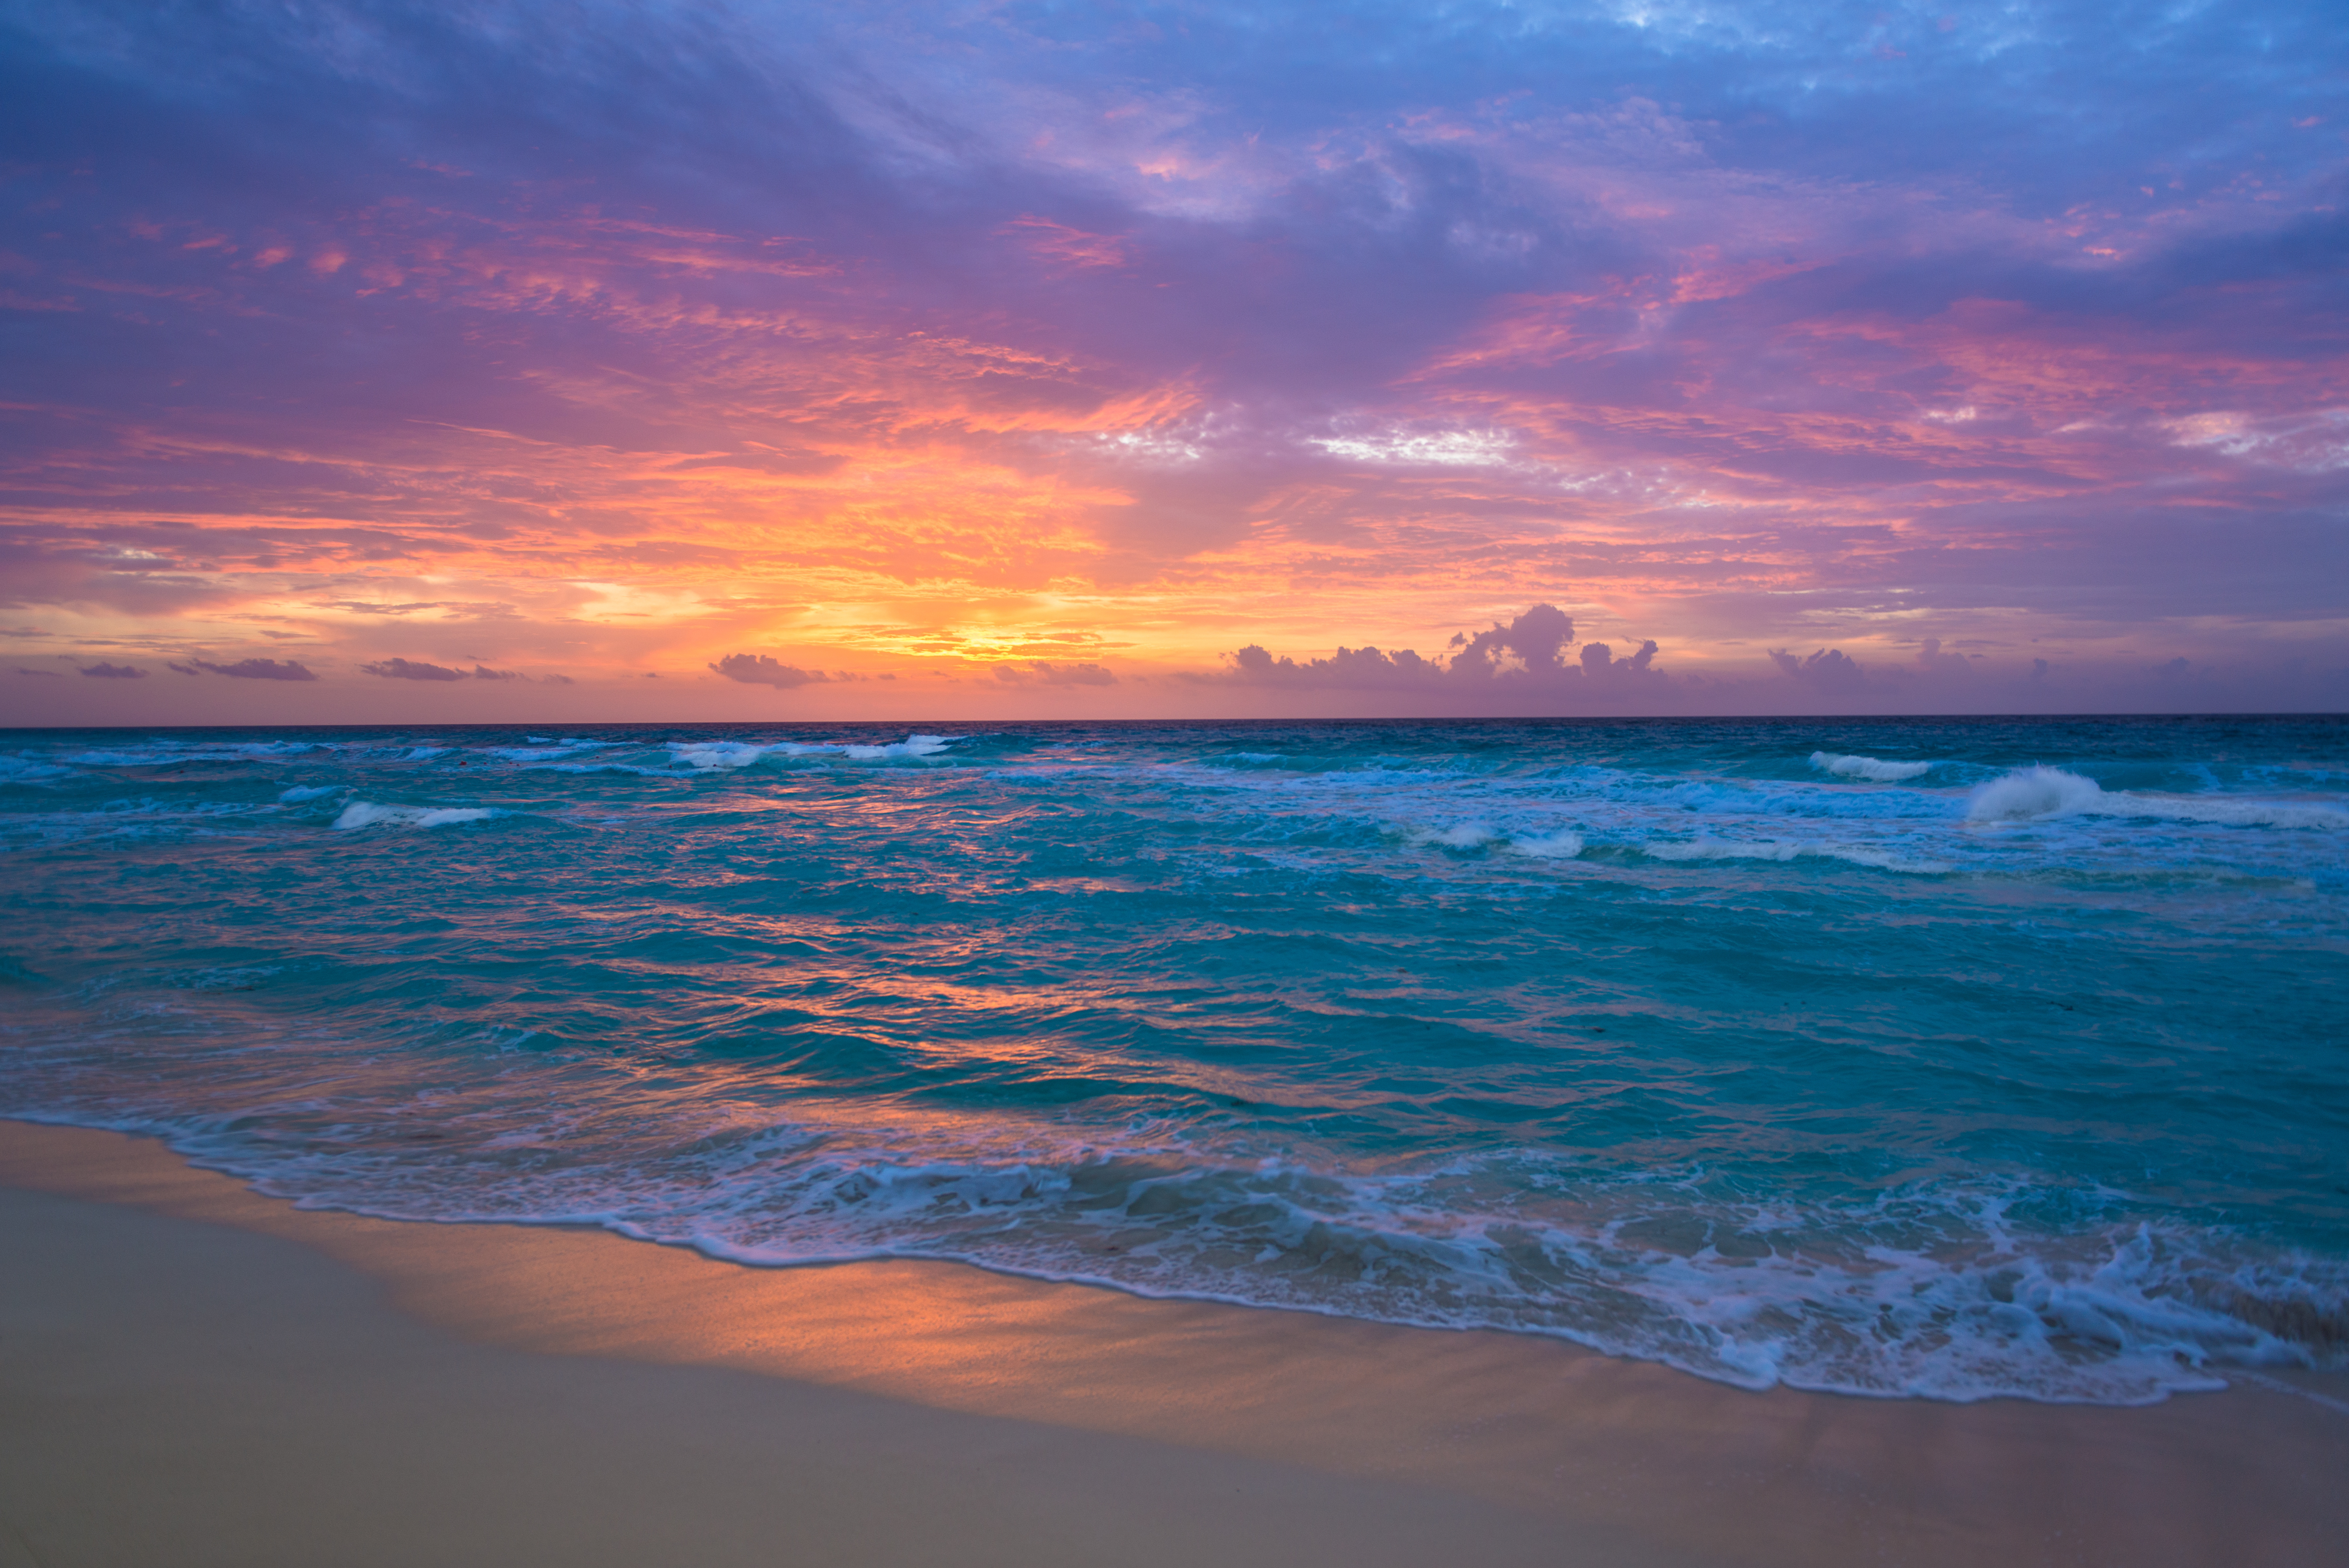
116, 672
1521, 656
759, 669
1042, 671
249, 669
1828, 671
410, 670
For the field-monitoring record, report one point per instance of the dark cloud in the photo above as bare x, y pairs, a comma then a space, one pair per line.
116, 672
410, 670
249, 669
759, 669
51, 675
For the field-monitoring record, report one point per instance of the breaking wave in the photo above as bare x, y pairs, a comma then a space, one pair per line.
1851, 767
2033, 793
367, 814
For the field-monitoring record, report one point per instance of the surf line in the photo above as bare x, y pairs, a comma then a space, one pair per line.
2281, 1387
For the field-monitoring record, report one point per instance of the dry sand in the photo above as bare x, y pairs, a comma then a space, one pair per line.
192, 1374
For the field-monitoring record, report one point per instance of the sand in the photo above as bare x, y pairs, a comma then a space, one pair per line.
192, 1374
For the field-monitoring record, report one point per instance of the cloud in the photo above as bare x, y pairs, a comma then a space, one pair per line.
410, 670
48, 674
1039, 672
1524, 656
249, 669
1741, 325
759, 669
116, 672
1368, 669
483, 672
1536, 643
1828, 671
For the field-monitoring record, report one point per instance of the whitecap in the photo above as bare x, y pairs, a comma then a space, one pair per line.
1462, 836
1562, 845
733, 753
307, 792
2035, 793
912, 745
1851, 766
367, 814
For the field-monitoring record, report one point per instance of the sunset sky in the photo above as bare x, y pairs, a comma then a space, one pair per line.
600, 362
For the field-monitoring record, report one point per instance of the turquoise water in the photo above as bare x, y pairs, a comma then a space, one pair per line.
1944, 1058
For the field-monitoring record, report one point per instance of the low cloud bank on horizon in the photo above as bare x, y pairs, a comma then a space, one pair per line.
392, 360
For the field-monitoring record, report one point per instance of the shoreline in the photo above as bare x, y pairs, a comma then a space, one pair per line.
1317, 1438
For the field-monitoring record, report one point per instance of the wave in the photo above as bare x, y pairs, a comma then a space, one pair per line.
2035, 793
542, 749
1564, 844
1927, 1291
367, 814
733, 753
165, 752
1462, 836
1709, 849
1856, 767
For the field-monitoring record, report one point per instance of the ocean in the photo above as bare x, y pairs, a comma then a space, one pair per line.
1940, 1059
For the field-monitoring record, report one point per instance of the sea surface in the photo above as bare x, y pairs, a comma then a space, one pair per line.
1939, 1058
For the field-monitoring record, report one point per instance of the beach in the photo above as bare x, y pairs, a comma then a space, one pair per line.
197, 1374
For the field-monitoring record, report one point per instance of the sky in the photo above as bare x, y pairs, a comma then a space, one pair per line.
598, 362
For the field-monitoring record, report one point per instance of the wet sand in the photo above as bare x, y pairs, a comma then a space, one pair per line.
192, 1374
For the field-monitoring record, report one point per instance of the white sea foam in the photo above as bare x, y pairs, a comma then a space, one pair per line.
1561, 845
2031, 794
717, 754
307, 792
13, 768
1855, 766
1460, 836
1931, 1292
367, 814
912, 745
733, 753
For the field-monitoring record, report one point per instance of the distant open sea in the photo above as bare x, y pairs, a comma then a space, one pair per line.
1951, 1059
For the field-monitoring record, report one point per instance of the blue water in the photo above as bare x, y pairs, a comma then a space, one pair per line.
1946, 1058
